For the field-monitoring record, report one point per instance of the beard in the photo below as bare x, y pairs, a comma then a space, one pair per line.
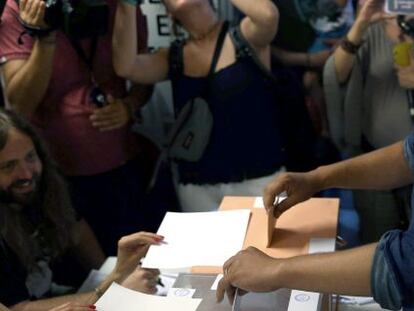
10, 195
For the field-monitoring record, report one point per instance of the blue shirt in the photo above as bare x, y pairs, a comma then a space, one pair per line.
392, 277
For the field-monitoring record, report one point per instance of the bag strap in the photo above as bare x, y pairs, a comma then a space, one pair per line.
218, 48
245, 51
177, 66
175, 57
176, 53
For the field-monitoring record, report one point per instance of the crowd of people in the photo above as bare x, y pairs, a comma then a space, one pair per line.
250, 103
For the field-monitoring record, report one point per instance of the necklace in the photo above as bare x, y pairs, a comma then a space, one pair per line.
207, 33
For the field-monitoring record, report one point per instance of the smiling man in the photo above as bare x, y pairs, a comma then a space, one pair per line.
20, 168
38, 225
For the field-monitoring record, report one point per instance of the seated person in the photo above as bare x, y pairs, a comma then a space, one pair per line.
383, 270
38, 225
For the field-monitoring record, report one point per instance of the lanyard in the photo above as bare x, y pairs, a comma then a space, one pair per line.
97, 96
88, 60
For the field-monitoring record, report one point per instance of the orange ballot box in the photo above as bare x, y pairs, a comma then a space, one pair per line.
316, 218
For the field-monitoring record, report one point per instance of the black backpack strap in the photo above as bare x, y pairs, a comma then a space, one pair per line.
243, 51
176, 57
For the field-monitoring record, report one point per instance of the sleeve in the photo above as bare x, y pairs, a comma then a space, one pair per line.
334, 95
12, 278
392, 277
392, 280
344, 101
385, 288
409, 150
10, 32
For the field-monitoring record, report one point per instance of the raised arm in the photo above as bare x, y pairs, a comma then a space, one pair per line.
139, 68
382, 169
27, 79
371, 11
261, 22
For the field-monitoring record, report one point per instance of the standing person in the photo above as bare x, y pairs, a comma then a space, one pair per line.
58, 78
368, 108
238, 158
38, 225
383, 270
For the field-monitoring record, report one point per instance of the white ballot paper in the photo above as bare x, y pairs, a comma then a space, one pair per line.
118, 298
198, 239
403, 7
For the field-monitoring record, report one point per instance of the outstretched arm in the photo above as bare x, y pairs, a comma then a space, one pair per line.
382, 169
139, 68
131, 249
346, 272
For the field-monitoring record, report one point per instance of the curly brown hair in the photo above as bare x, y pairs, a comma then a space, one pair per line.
44, 227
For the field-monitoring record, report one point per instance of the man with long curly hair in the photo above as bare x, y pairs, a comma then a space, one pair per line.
38, 224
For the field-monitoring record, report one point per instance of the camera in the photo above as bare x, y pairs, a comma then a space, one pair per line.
406, 25
78, 19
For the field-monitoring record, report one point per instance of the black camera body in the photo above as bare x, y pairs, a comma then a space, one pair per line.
78, 19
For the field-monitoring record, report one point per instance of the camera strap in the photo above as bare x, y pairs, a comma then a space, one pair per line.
88, 60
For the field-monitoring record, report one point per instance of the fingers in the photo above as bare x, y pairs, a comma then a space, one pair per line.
221, 289
22, 5
225, 287
147, 280
226, 266
271, 191
41, 12
32, 12
110, 117
134, 240
284, 206
28, 6
34, 9
110, 124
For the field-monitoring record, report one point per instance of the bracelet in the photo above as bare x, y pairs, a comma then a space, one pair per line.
99, 292
350, 47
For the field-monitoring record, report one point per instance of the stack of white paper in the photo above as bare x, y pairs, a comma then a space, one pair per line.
198, 239
118, 298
